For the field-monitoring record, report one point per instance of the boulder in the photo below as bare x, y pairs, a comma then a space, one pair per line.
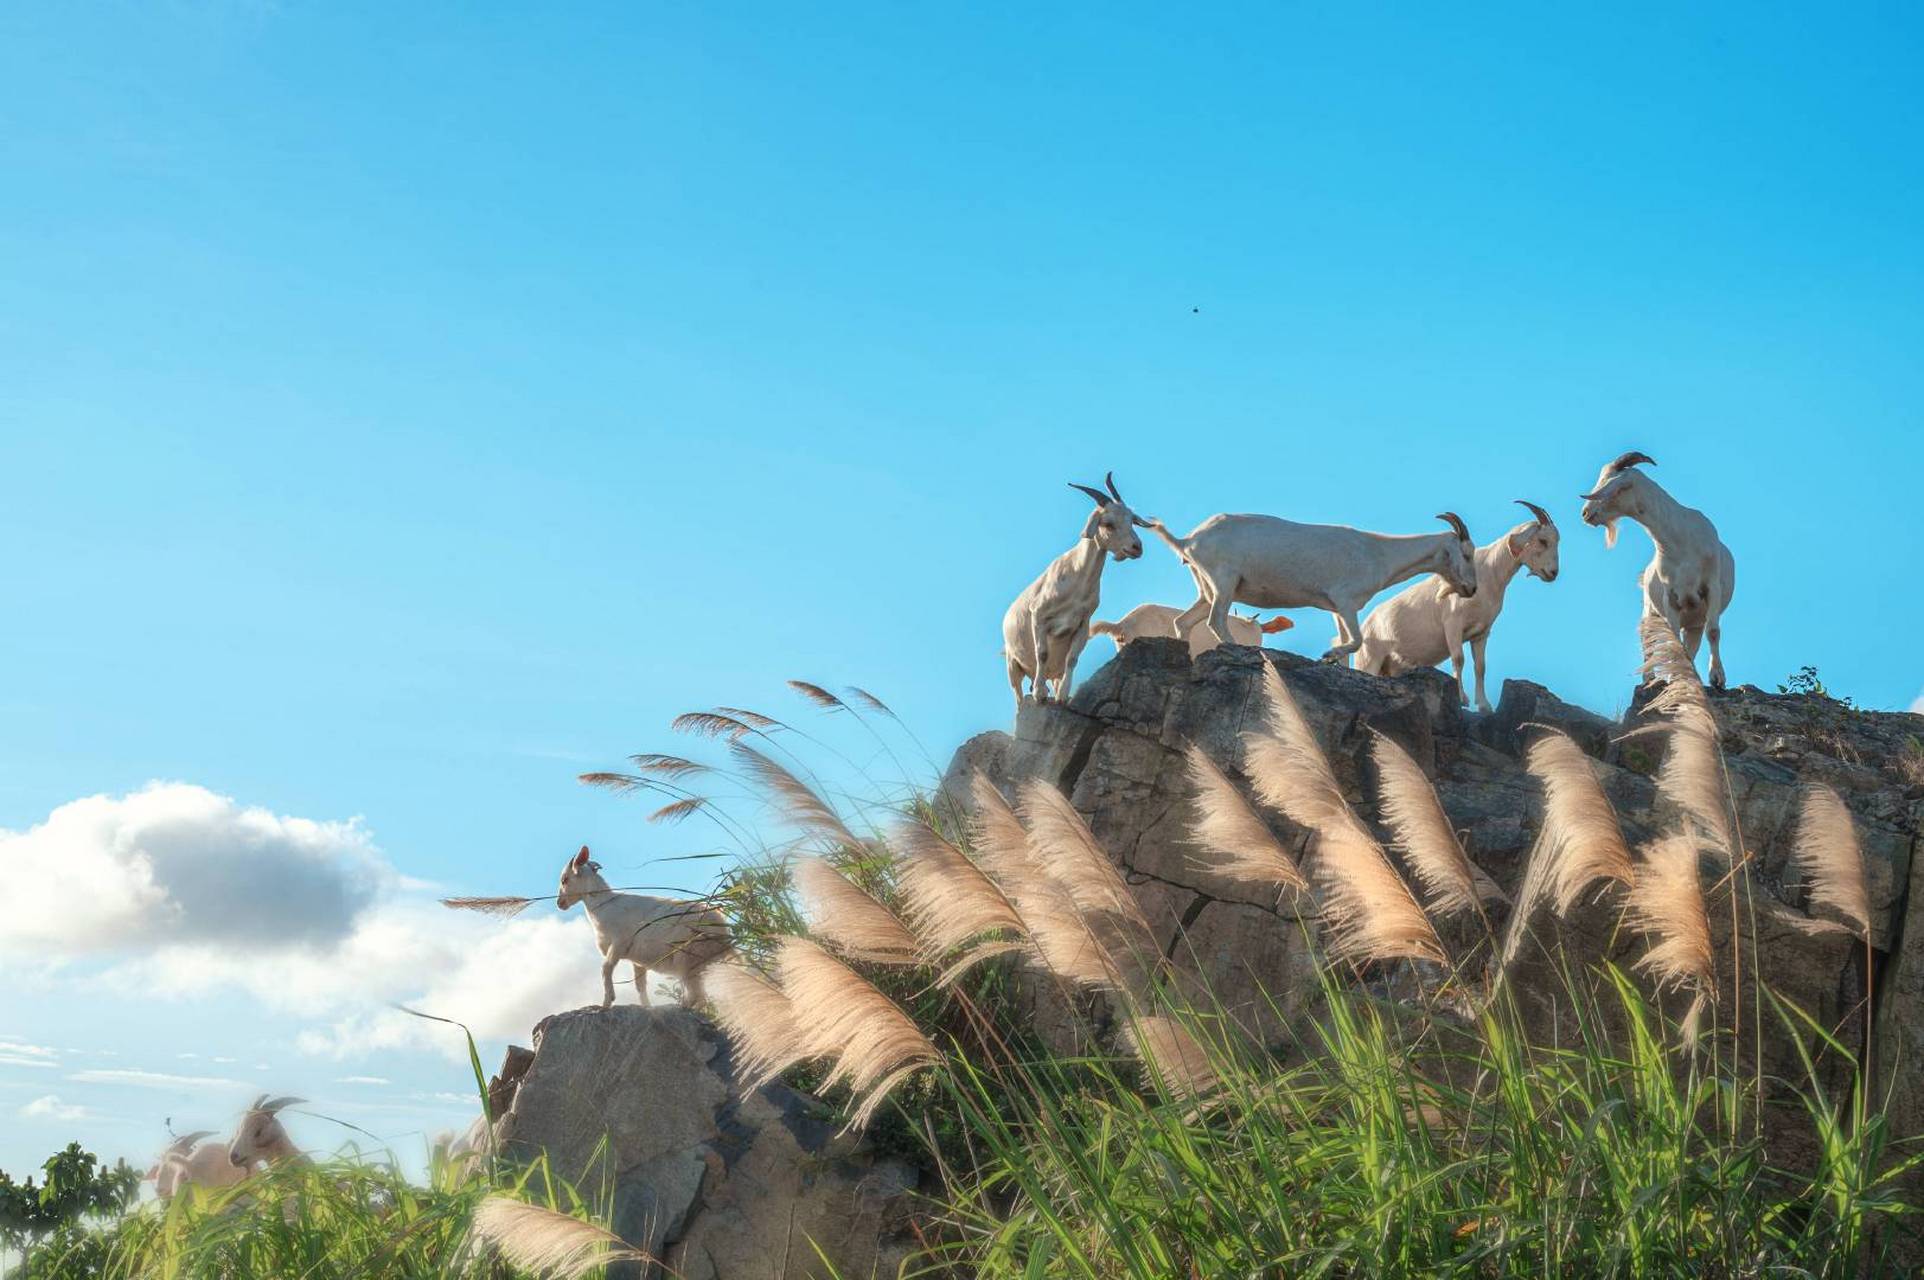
1115, 751
644, 1105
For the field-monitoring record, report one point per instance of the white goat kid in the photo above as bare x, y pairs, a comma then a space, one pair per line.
659, 935
1692, 576
1426, 622
260, 1138
1045, 629
1158, 621
1279, 564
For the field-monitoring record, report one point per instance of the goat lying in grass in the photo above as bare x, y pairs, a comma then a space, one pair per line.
1045, 629
1159, 621
170, 1169
1280, 564
1692, 575
1426, 622
660, 935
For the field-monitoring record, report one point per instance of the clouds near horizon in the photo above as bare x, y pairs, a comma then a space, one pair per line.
176, 890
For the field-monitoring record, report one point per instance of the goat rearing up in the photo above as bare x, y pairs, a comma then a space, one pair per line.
1278, 564
1425, 622
1045, 629
1692, 576
665, 935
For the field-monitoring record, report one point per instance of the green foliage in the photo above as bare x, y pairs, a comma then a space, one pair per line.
1434, 1145
74, 1187
1806, 683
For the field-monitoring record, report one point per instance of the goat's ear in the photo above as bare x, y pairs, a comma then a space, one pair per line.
1089, 526
1517, 543
581, 859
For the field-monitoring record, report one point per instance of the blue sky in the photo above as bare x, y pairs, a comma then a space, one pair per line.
406, 408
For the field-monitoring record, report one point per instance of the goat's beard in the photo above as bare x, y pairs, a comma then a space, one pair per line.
1610, 533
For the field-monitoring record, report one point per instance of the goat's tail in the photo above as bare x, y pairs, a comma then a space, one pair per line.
1176, 544
1101, 628
1275, 624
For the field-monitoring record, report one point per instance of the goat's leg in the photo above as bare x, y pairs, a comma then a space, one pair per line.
1476, 652
1349, 634
1453, 642
1716, 633
1218, 622
1693, 640
1039, 678
641, 986
692, 994
607, 980
1015, 681
1069, 666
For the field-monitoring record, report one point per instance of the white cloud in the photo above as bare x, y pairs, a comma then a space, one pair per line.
175, 864
14, 1053
154, 1079
50, 1107
184, 893
363, 1080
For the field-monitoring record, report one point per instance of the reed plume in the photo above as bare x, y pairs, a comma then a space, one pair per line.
1691, 777
1369, 912
1066, 851
502, 908
1060, 939
840, 911
950, 904
754, 719
1581, 842
818, 695
1229, 827
1422, 832
798, 802
549, 1244
1172, 1058
1667, 902
710, 724
874, 1045
1828, 853
757, 1018
666, 765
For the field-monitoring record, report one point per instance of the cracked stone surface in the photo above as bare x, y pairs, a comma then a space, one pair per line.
1115, 751
718, 1183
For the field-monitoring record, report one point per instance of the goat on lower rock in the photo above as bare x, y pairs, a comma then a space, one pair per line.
655, 935
1158, 621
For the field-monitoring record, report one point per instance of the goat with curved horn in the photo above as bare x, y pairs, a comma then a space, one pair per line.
1691, 577
1044, 631
1543, 517
1426, 622
1279, 564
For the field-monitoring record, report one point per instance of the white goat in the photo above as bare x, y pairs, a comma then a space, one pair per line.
1279, 564
170, 1168
1692, 576
1426, 622
260, 1137
663, 935
1158, 621
1045, 629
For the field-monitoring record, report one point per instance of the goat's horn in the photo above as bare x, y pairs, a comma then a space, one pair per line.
1543, 517
1455, 522
1630, 459
1102, 499
1110, 480
278, 1103
187, 1140
256, 1104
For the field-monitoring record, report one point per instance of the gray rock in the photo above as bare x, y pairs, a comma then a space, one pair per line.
718, 1182
1116, 752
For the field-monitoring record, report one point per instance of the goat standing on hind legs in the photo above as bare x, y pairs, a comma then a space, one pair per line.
1692, 576
1045, 629
663, 935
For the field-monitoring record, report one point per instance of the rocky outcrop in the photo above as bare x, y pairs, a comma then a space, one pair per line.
1115, 751
717, 1182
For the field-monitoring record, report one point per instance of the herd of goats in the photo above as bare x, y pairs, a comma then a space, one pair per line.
1255, 560
1271, 563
